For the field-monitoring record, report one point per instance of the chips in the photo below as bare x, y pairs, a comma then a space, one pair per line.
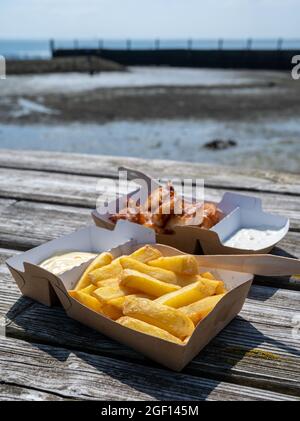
187, 295
102, 260
164, 317
148, 329
145, 283
156, 272
200, 309
185, 264
162, 296
112, 270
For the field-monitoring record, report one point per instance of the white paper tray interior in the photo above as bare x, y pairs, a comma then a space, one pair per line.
91, 239
247, 213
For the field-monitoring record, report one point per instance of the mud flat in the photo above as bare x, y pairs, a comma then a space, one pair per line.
61, 65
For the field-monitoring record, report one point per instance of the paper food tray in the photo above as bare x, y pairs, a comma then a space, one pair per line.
240, 211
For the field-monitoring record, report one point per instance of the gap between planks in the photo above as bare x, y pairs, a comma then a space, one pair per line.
95, 165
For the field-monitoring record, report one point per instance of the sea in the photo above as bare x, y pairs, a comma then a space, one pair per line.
41, 48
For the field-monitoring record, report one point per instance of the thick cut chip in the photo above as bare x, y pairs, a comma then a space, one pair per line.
104, 294
219, 285
164, 317
184, 280
187, 294
113, 270
119, 302
111, 311
108, 282
145, 283
145, 254
157, 273
87, 300
144, 327
220, 289
200, 309
102, 260
208, 275
186, 264
89, 289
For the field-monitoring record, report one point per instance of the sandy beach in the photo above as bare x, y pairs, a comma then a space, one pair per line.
157, 112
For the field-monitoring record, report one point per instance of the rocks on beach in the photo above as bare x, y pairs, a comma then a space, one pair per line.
220, 144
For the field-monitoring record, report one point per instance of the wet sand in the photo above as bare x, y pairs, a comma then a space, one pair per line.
152, 94
159, 112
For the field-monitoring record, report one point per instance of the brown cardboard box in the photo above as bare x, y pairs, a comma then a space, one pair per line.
166, 353
240, 210
35, 282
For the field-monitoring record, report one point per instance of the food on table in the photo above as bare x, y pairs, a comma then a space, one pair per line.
105, 294
254, 238
145, 283
164, 210
108, 282
163, 275
119, 302
207, 275
184, 263
87, 300
112, 312
89, 289
164, 317
60, 263
162, 296
187, 294
147, 328
199, 309
145, 254
112, 270
102, 259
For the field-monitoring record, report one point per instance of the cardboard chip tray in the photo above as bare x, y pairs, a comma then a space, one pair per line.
240, 211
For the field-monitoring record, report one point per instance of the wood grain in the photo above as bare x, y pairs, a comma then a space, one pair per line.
13, 393
215, 176
84, 376
83, 191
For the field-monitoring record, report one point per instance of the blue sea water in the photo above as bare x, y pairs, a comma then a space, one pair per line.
41, 48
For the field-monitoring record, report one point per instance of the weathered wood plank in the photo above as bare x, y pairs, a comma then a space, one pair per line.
24, 225
4, 203
85, 376
245, 353
9, 291
14, 393
83, 191
101, 165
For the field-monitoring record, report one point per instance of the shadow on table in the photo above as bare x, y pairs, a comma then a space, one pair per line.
275, 282
51, 331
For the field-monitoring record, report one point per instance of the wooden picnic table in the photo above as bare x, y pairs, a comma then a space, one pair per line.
45, 355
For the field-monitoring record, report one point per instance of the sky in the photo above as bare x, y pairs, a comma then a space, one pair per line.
169, 19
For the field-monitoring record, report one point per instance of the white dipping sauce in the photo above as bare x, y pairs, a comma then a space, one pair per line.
254, 238
61, 263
